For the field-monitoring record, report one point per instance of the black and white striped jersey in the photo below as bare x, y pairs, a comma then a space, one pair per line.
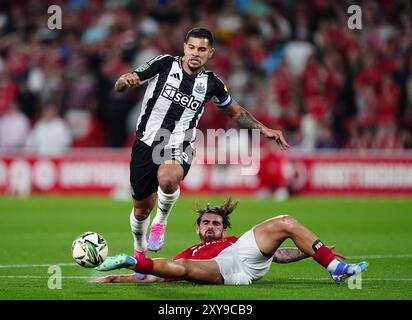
174, 101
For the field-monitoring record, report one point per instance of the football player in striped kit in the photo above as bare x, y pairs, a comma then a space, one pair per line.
177, 90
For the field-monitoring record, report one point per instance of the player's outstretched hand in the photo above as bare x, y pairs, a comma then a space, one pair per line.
118, 278
131, 79
106, 279
277, 135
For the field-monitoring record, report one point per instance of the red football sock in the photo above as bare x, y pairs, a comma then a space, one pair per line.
144, 265
323, 256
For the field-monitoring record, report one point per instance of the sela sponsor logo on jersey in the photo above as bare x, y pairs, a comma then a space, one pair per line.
187, 101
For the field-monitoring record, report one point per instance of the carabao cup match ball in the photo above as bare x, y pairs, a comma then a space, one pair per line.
89, 249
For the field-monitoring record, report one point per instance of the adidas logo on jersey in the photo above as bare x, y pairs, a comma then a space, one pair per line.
184, 100
175, 75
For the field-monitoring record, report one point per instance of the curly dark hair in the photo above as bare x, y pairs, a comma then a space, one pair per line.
224, 210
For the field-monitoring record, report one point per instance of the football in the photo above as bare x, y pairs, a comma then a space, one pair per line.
89, 249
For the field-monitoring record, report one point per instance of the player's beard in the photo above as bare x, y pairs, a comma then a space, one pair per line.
210, 236
194, 69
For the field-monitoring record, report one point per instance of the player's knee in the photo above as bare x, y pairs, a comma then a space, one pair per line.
289, 223
285, 223
141, 213
168, 183
183, 269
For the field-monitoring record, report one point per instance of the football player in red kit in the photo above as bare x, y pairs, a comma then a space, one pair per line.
220, 259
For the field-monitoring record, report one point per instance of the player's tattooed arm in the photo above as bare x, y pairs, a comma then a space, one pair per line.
287, 255
127, 80
243, 117
248, 121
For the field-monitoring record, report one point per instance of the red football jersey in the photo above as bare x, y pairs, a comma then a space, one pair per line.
206, 250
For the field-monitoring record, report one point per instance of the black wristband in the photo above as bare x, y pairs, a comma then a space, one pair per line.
317, 244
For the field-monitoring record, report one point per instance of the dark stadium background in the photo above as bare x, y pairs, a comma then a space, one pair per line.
286, 61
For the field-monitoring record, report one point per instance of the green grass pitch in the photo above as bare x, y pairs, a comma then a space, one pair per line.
38, 231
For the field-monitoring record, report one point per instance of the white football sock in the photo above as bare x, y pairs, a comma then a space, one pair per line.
165, 204
333, 265
139, 230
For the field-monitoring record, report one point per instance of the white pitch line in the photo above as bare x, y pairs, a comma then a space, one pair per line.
378, 279
45, 277
298, 279
45, 265
382, 256
4, 266
363, 279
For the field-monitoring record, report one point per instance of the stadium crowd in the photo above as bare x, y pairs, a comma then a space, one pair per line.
295, 64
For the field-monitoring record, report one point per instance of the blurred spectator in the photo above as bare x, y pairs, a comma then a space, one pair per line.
282, 82
309, 130
8, 92
50, 135
14, 129
87, 131
367, 103
28, 101
405, 139
326, 139
296, 54
389, 95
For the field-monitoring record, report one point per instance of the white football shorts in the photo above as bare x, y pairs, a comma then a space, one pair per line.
242, 263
